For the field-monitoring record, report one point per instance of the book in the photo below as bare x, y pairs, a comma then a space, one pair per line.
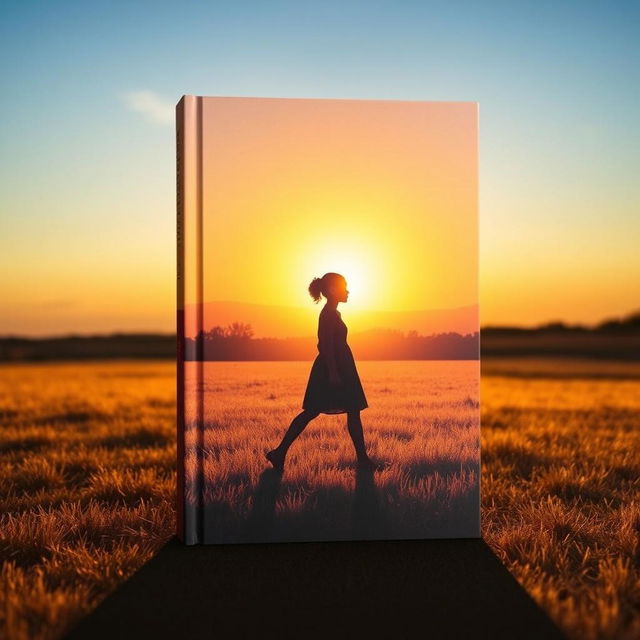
328, 363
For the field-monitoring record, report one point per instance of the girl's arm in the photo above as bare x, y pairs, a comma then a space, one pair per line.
326, 326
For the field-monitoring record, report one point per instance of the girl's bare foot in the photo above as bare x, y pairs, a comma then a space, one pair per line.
276, 459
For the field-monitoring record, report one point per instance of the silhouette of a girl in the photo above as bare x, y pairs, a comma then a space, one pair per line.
334, 385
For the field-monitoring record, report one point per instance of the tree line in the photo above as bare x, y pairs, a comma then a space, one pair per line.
236, 341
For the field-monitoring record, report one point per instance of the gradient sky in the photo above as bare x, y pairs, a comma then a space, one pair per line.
383, 192
87, 179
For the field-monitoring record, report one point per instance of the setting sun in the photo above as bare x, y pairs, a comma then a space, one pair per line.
357, 266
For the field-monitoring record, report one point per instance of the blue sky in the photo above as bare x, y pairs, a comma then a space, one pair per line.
87, 163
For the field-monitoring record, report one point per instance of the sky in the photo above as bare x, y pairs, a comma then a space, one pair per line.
87, 150
383, 192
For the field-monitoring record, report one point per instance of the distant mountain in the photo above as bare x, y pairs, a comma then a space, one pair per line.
275, 321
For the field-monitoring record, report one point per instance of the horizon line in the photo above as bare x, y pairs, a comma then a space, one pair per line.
168, 334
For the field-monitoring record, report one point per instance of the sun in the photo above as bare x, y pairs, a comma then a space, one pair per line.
356, 267
356, 279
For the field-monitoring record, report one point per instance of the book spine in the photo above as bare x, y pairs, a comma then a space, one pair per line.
189, 372
180, 336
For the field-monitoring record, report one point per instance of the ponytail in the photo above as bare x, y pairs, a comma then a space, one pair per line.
315, 289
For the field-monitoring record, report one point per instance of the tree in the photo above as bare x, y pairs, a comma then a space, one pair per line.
239, 330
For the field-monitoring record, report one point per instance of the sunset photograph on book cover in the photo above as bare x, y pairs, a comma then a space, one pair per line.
331, 347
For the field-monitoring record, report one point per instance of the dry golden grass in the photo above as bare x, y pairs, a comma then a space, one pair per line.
422, 421
560, 489
87, 454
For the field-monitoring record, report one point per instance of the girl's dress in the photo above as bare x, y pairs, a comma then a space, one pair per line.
320, 395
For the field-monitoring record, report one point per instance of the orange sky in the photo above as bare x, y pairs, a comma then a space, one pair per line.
88, 169
383, 192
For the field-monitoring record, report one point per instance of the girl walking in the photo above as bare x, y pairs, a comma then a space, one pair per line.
334, 385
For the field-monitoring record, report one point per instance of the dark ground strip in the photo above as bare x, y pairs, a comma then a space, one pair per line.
445, 589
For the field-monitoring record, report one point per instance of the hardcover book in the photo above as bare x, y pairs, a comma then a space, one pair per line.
327, 320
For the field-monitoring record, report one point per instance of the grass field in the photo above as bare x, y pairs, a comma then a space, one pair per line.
561, 488
422, 422
87, 461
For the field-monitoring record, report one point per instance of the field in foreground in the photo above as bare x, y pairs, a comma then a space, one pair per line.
422, 422
88, 455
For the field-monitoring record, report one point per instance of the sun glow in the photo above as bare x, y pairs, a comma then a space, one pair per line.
356, 264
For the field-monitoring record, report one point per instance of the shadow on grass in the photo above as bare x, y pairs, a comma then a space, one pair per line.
369, 520
141, 438
260, 521
367, 512
26, 443
73, 417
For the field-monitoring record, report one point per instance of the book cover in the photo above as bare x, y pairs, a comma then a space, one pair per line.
327, 320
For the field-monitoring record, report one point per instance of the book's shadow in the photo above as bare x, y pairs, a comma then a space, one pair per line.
450, 589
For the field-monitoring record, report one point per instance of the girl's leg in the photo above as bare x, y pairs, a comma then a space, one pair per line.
277, 456
354, 424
